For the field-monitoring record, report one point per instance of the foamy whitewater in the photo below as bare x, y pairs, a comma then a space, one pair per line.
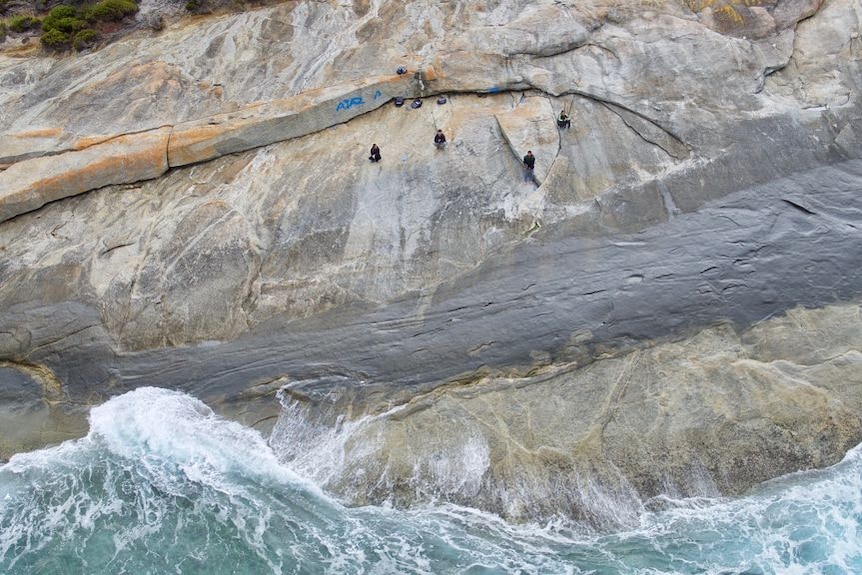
162, 485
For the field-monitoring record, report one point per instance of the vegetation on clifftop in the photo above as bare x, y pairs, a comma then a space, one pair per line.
81, 24
66, 26
23, 22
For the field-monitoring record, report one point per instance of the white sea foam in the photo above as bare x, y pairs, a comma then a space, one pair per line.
806, 523
154, 424
154, 460
351, 457
163, 485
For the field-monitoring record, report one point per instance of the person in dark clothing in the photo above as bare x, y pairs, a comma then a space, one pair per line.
375, 153
564, 121
440, 140
529, 164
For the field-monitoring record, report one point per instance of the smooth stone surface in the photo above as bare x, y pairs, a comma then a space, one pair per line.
570, 297
714, 414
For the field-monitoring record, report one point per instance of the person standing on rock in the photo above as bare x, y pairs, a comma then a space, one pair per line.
529, 164
375, 153
440, 140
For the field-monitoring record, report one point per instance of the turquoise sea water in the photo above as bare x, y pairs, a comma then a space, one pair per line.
162, 485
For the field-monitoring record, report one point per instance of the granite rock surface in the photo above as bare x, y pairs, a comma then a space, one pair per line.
195, 209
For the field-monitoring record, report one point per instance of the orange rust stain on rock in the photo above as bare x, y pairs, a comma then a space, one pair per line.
41, 133
87, 141
30, 184
121, 167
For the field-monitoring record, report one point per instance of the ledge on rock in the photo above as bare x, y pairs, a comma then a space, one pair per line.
31, 184
21, 146
272, 122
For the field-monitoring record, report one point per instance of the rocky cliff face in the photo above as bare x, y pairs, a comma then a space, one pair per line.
195, 209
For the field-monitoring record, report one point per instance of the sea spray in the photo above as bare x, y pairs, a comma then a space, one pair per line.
161, 485
154, 459
355, 458
401, 455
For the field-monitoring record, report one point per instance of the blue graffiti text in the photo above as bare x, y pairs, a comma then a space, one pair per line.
348, 103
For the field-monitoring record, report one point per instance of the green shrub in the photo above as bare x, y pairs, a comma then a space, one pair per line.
68, 25
107, 10
192, 5
55, 39
2, 31
64, 18
22, 23
62, 11
84, 39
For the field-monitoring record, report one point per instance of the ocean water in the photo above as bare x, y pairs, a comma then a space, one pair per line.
162, 485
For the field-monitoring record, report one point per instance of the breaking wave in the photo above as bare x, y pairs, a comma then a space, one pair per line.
162, 485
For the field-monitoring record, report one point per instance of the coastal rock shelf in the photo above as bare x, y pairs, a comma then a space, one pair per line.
714, 414
671, 305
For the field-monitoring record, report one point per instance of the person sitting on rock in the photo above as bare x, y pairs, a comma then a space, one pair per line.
564, 121
375, 153
440, 140
529, 165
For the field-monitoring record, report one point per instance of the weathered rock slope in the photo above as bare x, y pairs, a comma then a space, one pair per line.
196, 210
682, 419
